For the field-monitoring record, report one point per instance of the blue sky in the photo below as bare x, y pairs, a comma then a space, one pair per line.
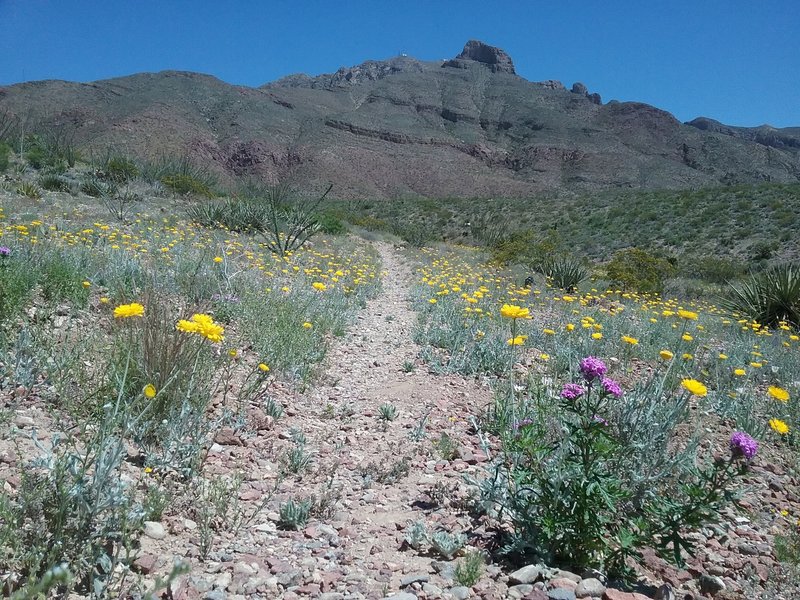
737, 61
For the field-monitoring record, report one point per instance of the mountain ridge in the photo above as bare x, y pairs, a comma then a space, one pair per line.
464, 127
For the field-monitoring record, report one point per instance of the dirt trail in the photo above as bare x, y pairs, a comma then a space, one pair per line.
378, 473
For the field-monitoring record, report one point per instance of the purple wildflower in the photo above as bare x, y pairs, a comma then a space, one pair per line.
743, 446
592, 368
599, 419
571, 391
5, 251
611, 387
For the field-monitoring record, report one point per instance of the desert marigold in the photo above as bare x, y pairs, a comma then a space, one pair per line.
666, 355
779, 426
570, 327
694, 387
202, 325
723, 356
149, 391
263, 367
739, 372
517, 341
319, 286
217, 259
548, 331
597, 335
124, 311
687, 314
512, 311
778, 393
86, 284
630, 340
686, 337
307, 325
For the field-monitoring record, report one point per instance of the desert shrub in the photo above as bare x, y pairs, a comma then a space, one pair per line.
524, 247
180, 177
5, 151
564, 272
331, 224
186, 184
637, 269
768, 298
119, 169
54, 183
711, 268
17, 280
96, 188
29, 190
63, 277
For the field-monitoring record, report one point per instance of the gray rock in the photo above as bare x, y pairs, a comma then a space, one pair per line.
561, 594
527, 574
414, 578
215, 595
520, 591
579, 88
567, 575
154, 530
460, 592
589, 588
401, 596
710, 584
495, 58
665, 592
331, 596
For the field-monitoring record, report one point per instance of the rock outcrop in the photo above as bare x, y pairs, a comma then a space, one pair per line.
494, 58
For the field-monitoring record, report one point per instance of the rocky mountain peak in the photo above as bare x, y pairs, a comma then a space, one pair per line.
495, 58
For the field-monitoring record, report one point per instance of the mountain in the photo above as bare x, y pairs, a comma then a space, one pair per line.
465, 127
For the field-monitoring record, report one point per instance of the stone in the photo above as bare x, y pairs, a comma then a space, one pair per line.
612, 594
561, 594
401, 596
567, 575
589, 588
527, 574
227, 437
563, 583
414, 578
579, 88
154, 530
145, 564
24, 421
711, 584
495, 58
460, 592
520, 591
665, 592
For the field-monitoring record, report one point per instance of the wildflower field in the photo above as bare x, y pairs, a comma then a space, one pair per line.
211, 410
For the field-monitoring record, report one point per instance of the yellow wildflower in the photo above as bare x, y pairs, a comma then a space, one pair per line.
217, 259
687, 314
517, 341
149, 391
319, 286
307, 325
202, 325
597, 335
123, 311
511, 311
694, 387
778, 393
779, 426
263, 368
739, 372
630, 340
666, 355
686, 337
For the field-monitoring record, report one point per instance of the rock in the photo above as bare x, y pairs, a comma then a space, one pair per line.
493, 57
527, 574
414, 578
214, 595
612, 594
145, 564
552, 84
431, 590
579, 88
460, 592
24, 421
561, 594
567, 575
665, 592
227, 437
154, 530
711, 584
520, 591
563, 583
331, 596
401, 596
589, 588
595, 98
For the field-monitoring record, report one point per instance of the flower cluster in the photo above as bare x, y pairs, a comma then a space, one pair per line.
125, 311
572, 391
5, 251
592, 368
202, 325
611, 387
743, 446
512, 311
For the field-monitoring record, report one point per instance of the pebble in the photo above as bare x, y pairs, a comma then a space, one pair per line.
154, 530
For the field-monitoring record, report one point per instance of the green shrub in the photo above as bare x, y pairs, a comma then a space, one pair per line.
54, 183
29, 190
5, 151
184, 184
769, 298
17, 280
119, 169
637, 269
564, 272
331, 224
63, 279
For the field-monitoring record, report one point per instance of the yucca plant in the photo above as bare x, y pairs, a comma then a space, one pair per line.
564, 272
769, 298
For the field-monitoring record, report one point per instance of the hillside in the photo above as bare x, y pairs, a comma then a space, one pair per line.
466, 127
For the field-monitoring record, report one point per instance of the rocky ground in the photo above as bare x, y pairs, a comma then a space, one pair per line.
372, 478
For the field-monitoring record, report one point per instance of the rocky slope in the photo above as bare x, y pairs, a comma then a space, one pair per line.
467, 127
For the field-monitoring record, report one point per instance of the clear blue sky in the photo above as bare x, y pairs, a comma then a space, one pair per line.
737, 61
